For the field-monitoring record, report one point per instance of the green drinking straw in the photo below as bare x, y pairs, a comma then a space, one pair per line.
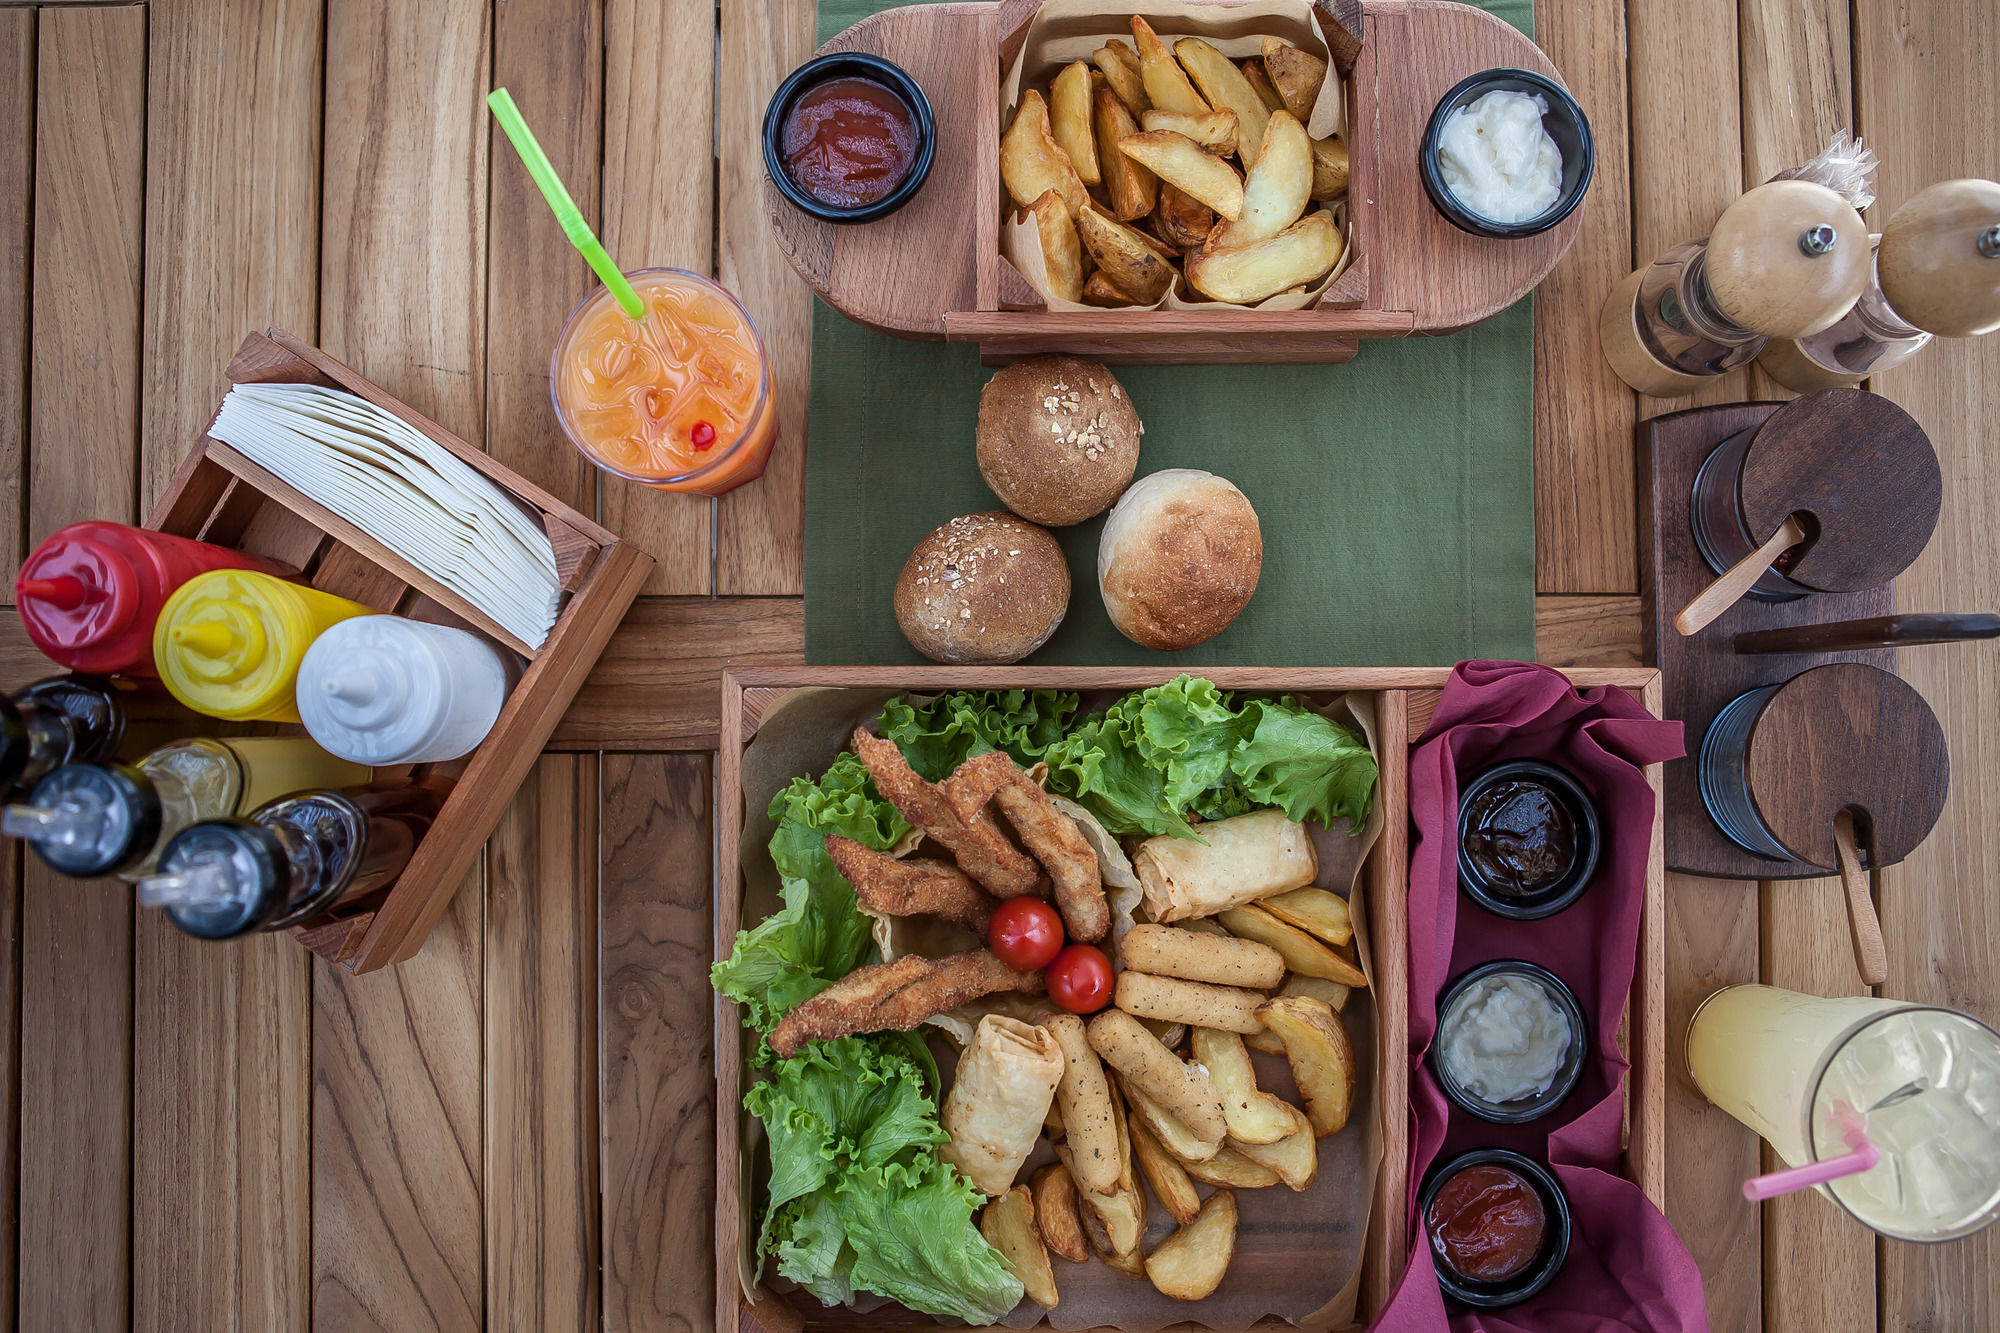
564, 207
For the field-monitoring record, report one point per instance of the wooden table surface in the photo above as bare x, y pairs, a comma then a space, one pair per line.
515, 1128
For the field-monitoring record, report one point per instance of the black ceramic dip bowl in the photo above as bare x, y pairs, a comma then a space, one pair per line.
1454, 1210
842, 130
1564, 122
1528, 840
1474, 1001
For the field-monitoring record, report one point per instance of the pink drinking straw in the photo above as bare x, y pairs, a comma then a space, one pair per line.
1861, 1156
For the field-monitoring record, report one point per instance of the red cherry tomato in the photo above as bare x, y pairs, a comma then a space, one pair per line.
1080, 979
1026, 933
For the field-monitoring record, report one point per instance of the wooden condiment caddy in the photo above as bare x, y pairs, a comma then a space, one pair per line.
934, 268
220, 496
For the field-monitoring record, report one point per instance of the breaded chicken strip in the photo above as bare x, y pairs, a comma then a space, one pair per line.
978, 845
895, 997
912, 886
1046, 831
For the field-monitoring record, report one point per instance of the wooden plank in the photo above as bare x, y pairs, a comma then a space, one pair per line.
76, 938
1687, 141
1709, 1154
550, 55
659, 192
222, 1035
17, 195
232, 204
10, 1081
1819, 1268
1922, 71
397, 1155
1584, 491
1589, 631
657, 1145
760, 528
541, 1048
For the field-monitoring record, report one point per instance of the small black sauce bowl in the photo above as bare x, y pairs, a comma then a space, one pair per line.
1527, 1108
1555, 897
1565, 123
848, 64
1555, 1233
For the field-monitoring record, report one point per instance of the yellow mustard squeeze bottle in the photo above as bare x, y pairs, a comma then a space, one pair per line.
229, 642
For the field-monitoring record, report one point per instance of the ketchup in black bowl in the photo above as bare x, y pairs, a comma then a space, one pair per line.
848, 137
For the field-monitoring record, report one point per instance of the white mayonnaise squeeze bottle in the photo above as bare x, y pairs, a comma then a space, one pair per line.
383, 690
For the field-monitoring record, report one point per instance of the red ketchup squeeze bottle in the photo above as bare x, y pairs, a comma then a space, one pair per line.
90, 593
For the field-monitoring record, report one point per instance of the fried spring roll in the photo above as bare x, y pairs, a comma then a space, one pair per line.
1169, 951
1239, 860
1005, 1081
913, 886
982, 852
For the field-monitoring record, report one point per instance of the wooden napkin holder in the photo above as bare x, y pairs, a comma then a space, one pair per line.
933, 269
220, 496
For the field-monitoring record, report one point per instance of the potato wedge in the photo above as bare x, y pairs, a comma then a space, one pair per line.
1120, 68
1302, 952
1166, 1177
1167, 1128
1069, 120
1275, 193
1167, 85
1130, 187
1131, 1263
1062, 253
1253, 1116
1295, 1157
1008, 1223
1099, 290
1221, 84
1032, 162
1319, 988
1184, 222
1321, 1057
1182, 162
1214, 130
1124, 256
1056, 1214
1265, 1041
1329, 169
1296, 74
1230, 1169
1121, 1214
1190, 1264
1319, 912
1260, 83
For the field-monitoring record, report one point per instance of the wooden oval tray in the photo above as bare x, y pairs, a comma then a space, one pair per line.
934, 269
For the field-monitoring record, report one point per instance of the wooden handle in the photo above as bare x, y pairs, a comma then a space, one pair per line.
1340, 22
1722, 594
1871, 956
1903, 631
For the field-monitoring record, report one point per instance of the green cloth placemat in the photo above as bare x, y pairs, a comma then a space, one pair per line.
1395, 493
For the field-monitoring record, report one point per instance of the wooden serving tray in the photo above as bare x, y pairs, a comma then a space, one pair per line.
220, 496
934, 270
1405, 698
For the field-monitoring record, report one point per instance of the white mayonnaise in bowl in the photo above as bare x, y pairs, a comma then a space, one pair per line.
1511, 1042
1507, 154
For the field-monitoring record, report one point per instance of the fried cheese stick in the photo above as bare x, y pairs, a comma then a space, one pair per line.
980, 849
896, 996
1047, 832
912, 886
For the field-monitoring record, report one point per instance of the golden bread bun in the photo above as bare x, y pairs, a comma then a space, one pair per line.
981, 589
1179, 557
1058, 438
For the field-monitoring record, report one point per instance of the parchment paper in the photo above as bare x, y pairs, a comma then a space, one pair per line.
1063, 31
1298, 1256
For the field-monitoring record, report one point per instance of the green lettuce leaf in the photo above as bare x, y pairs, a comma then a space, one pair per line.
952, 728
1311, 766
914, 1241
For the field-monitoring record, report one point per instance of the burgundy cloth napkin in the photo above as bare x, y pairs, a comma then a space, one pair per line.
1626, 1267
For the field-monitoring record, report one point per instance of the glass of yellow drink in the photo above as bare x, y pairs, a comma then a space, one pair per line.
1926, 1078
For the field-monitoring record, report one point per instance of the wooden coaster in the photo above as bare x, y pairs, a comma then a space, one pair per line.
1848, 736
1864, 472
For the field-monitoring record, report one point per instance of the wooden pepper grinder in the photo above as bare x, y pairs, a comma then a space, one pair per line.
1784, 261
1936, 272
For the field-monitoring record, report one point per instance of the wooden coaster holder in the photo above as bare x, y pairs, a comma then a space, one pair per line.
1704, 672
934, 270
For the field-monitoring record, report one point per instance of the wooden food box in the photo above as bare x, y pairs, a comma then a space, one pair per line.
1404, 699
933, 269
220, 496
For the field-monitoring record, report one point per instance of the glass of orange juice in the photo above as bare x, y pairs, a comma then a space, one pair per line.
680, 400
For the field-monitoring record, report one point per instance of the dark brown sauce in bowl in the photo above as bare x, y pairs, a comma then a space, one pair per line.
849, 142
1519, 836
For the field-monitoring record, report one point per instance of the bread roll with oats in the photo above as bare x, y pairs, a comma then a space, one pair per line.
1179, 558
1058, 438
984, 588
